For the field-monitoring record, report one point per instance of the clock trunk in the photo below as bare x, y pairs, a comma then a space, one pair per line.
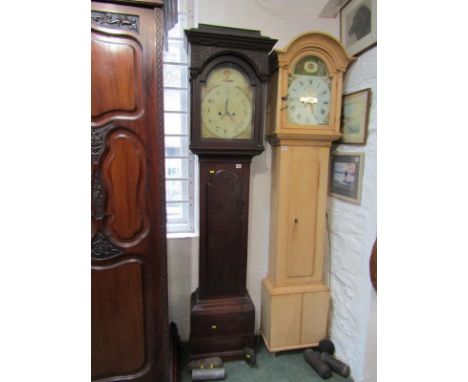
222, 313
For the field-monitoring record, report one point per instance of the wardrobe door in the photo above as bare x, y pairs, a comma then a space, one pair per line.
128, 239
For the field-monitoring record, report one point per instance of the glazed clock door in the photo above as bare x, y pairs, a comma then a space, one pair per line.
309, 93
227, 104
128, 248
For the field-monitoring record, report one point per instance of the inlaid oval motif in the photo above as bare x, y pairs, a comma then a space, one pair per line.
124, 171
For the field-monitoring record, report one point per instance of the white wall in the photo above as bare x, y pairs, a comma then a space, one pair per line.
280, 19
353, 229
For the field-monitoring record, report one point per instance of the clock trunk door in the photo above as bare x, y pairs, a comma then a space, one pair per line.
309, 93
224, 190
302, 187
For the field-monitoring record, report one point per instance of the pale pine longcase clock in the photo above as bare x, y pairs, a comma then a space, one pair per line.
304, 109
228, 74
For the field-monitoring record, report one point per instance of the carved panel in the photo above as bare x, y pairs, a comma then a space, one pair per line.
102, 248
115, 75
118, 319
98, 196
124, 171
116, 20
98, 142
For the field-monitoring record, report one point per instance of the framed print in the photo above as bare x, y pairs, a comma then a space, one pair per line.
355, 117
359, 25
346, 176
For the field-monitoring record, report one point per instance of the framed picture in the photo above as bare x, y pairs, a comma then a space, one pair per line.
359, 25
346, 176
355, 117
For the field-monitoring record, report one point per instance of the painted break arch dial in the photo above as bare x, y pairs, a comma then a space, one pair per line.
309, 92
227, 104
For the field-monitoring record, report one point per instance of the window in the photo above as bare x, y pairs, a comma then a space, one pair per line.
179, 159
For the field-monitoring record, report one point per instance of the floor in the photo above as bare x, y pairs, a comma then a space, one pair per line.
284, 367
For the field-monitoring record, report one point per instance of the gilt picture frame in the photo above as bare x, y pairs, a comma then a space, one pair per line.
355, 117
346, 176
358, 26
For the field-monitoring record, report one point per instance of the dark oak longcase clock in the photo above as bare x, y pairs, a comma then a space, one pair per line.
228, 73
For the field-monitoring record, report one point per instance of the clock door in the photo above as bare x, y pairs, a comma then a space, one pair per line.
227, 104
309, 93
224, 191
226, 112
129, 323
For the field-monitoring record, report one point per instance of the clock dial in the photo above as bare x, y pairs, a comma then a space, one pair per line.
226, 107
309, 93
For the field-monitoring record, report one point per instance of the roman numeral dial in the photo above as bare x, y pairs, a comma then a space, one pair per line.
309, 100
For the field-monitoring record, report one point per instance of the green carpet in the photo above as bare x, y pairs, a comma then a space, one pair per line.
284, 367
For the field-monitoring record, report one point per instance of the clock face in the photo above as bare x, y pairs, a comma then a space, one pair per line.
309, 93
227, 106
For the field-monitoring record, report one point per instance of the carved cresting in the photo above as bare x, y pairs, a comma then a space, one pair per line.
116, 20
102, 248
98, 142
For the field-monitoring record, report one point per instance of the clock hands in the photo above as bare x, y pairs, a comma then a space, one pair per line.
309, 100
226, 111
237, 123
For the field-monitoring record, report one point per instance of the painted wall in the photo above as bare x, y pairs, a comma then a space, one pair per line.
352, 230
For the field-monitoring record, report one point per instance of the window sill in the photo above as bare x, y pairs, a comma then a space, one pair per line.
181, 235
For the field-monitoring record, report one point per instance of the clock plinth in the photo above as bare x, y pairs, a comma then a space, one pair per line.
221, 327
228, 74
294, 316
304, 110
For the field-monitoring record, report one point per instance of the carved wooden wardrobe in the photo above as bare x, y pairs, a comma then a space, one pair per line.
130, 328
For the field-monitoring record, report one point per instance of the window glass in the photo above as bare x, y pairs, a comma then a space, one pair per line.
179, 159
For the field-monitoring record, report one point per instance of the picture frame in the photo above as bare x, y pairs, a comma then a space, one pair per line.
358, 26
355, 117
346, 176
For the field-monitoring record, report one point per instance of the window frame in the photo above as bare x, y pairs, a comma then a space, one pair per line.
187, 227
